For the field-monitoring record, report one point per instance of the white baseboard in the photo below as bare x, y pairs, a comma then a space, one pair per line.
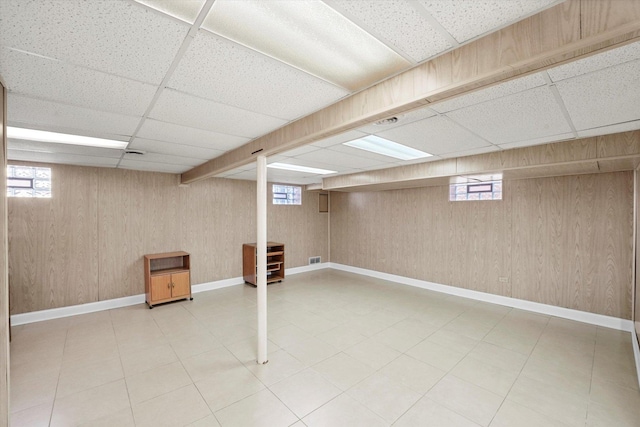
218, 284
305, 268
74, 310
636, 353
581, 316
551, 310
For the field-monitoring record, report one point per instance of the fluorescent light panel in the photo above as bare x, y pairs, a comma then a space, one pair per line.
62, 138
309, 35
296, 168
382, 146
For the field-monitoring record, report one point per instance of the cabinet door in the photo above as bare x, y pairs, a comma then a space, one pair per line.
181, 285
160, 287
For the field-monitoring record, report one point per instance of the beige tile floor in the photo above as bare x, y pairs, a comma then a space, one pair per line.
345, 350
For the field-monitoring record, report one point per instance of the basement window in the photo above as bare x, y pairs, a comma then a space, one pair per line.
476, 188
287, 195
28, 181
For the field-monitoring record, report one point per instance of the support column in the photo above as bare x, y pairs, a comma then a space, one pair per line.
261, 252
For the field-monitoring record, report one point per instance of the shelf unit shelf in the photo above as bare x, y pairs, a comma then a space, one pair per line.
275, 263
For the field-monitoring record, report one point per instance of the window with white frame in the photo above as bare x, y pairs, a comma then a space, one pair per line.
287, 194
487, 187
28, 181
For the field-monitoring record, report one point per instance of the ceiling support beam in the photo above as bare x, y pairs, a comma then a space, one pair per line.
568, 31
606, 153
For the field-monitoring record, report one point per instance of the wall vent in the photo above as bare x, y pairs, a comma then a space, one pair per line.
314, 260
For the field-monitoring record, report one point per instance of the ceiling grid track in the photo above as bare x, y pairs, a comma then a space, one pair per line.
565, 113
165, 81
436, 25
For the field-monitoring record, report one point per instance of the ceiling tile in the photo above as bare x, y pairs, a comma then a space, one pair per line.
397, 23
173, 149
605, 130
67, 159
177, 107
289, 31
403, 119
300, 150
169, 132
471, 152
490, 93
538, 141
54, 80
245, 175
163, 158
339, 139
434, 135
153, 167
465, 19
337, 159
34, 113
249, 80
117, 37
604, 97
53, 148
523, 116
597, 62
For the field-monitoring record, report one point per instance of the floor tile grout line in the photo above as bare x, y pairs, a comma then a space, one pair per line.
55, 395
519, 373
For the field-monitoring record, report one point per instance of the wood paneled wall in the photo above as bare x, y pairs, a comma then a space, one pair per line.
4, 283
86, 243
636, 294
565, 241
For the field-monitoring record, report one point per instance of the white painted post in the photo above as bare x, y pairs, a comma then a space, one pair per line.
261, 250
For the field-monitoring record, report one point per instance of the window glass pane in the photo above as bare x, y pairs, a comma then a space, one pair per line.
491, 190
286, 194
28, 181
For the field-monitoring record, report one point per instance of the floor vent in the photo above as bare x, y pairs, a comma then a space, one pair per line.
314, 260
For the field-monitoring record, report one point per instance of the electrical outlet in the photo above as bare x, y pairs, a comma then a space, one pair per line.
503, 279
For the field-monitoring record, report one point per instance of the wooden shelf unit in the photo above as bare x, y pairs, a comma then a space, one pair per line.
275, 262
167, 277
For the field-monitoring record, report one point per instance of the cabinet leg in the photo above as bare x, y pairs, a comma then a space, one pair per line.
150, 307
191, 299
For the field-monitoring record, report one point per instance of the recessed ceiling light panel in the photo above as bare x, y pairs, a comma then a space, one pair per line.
382, 146
308, 35
297, 168
62, 138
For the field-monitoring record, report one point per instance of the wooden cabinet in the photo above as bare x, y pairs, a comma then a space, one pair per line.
275, 262
167, 277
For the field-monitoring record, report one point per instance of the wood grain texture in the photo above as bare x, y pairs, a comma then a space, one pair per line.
53, 243
564, 241
572, 239
536, 43
121, 232
636, 293
418, 233
599, 16
87, 242
4, 278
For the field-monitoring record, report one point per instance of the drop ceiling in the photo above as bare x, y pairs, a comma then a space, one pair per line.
187, 81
